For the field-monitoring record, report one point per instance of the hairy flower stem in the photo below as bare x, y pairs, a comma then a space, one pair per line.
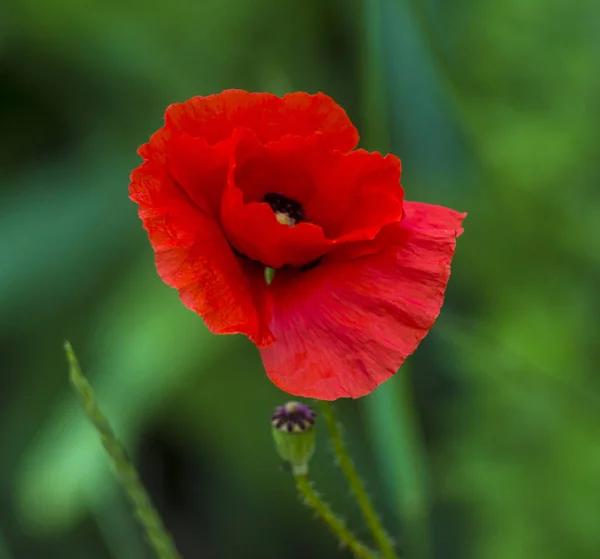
402, 461
157, 535
335, 524
381, 537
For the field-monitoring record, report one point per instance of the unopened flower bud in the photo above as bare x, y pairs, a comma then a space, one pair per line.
293, 426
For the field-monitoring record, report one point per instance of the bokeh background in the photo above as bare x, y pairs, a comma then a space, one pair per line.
488, 440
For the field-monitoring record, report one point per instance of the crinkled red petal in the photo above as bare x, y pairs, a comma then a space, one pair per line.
200, 169
216, 117
345, 197
193, 256
357, 193
346, 326
255, 232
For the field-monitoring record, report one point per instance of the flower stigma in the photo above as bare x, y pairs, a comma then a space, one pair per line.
287, 211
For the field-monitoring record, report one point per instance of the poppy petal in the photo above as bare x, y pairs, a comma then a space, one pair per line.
357, 194
253, 227
215, 117
193, 256
254, 231
345, 326
200, 169
345, 197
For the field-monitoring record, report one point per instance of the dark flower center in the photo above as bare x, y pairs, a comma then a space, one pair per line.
287, 211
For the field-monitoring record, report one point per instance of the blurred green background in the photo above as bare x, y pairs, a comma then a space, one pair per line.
493, 108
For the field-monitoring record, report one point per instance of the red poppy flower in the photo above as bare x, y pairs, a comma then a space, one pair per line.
239, 182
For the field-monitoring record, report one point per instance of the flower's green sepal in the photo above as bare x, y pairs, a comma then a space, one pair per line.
269, 274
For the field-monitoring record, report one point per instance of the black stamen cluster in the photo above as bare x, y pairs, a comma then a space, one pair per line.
282, 204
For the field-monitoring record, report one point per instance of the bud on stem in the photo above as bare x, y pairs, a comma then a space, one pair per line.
294, 433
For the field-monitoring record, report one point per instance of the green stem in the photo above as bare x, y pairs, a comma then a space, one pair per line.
157, 535
381, 537
335, 524
400, 456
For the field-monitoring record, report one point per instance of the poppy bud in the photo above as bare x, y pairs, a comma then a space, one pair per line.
293, 427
